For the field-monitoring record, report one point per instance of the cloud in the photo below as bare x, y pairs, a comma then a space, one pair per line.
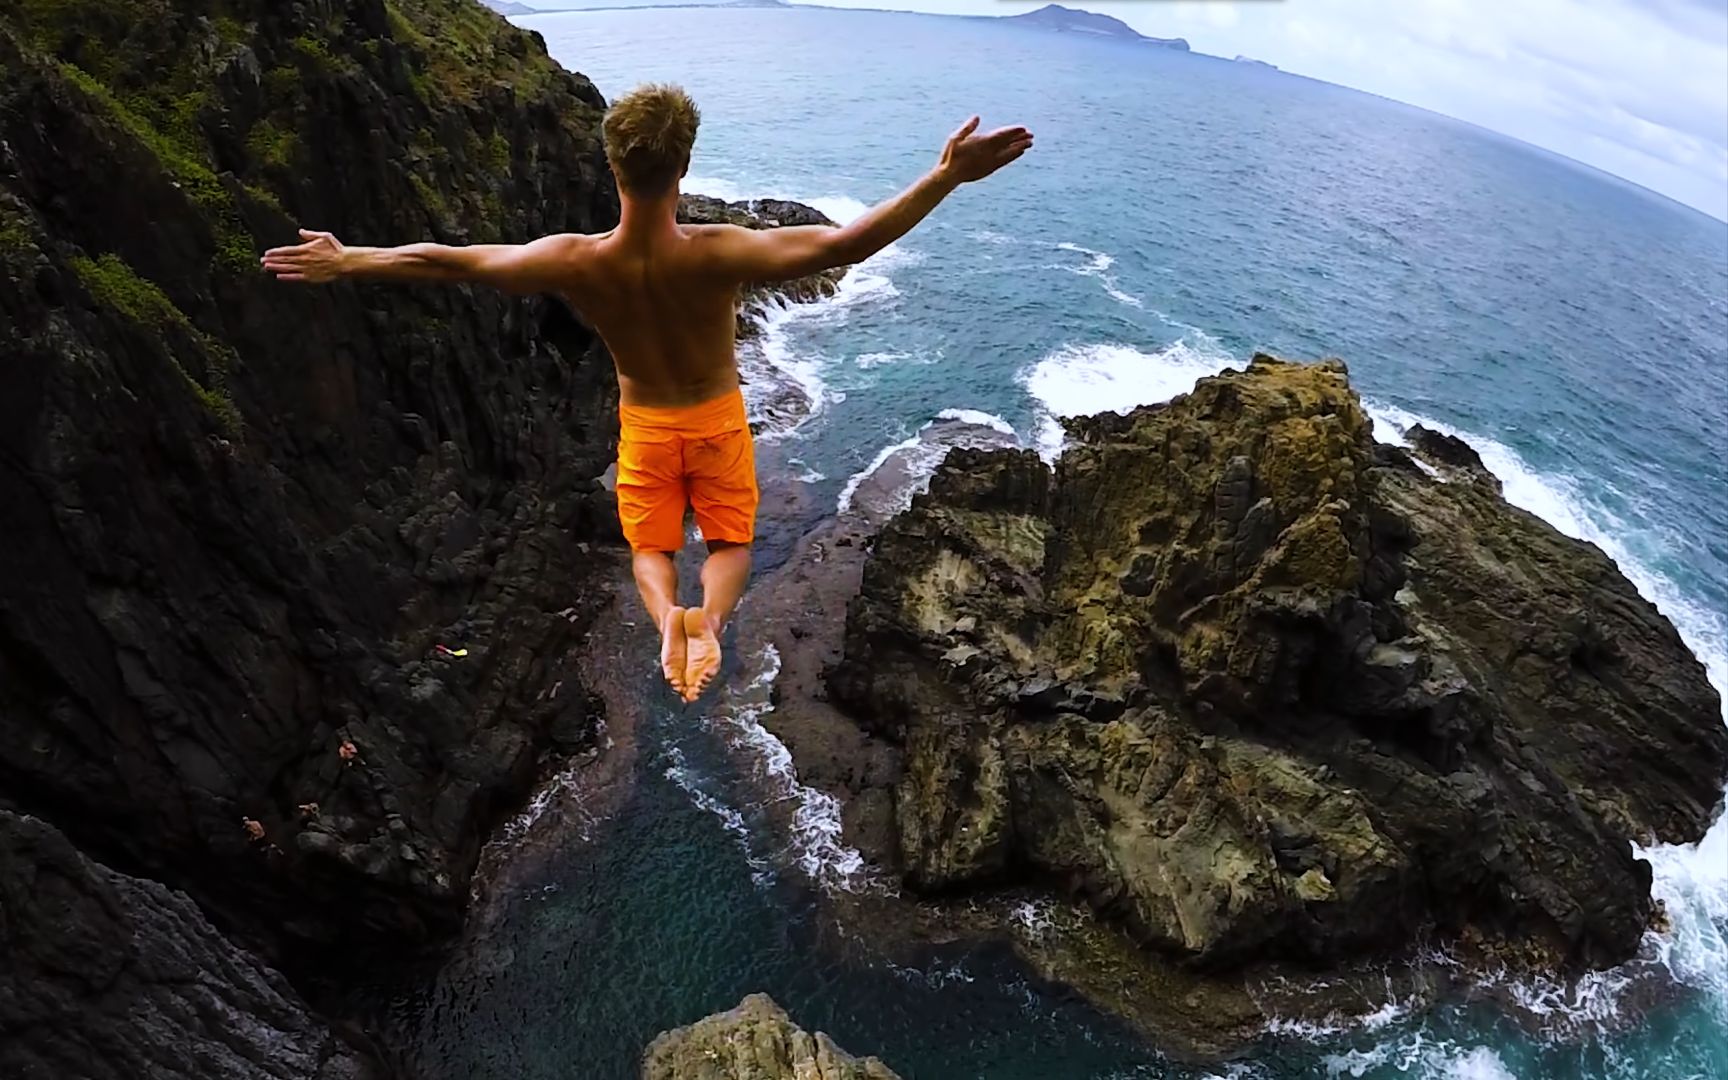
1635, 87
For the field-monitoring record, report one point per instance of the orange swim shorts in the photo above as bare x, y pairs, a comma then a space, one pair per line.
700, 456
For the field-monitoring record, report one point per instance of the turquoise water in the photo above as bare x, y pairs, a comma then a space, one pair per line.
1177, 213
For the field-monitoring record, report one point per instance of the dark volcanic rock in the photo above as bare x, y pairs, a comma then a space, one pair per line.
1450, 454
755, 1041
113, 978
241, 516
296, 578
1255, 688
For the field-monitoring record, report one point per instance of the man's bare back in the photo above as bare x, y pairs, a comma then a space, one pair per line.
663, 297
666, 312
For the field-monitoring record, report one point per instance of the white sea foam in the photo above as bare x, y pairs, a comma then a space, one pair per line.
922, 456
679, 773
548, 793
934, 977
775, 358
1097, 265
731, 819
1314, 1029
1079, 380
816, 845
806, 474
982, 419
856, 480
1036, 917
718, 187
1418, 1054
866, 361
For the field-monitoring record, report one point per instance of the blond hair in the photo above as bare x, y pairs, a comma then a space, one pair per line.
649, 133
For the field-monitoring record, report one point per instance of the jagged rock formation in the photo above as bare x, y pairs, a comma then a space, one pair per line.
755, 1041
114, 978
1258, 688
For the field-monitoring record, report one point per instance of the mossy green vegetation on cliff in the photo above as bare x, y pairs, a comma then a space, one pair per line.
15, 239
463, 44
170, 137
113, 283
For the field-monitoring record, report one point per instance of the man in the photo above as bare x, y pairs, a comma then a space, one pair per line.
663, 297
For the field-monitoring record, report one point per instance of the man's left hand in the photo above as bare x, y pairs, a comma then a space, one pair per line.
318, 260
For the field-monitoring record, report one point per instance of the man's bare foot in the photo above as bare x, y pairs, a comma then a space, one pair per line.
673, 656
704, 653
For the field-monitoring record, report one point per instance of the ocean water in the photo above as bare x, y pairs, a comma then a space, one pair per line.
1177, 213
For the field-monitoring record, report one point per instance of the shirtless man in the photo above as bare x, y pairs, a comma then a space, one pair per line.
663, 297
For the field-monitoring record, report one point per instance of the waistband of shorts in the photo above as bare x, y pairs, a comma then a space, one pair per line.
716, 416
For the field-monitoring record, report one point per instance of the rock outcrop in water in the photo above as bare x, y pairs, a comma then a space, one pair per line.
294, 576
1255, 687
755, 1041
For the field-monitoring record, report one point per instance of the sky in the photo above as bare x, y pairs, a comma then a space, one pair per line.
1637, 88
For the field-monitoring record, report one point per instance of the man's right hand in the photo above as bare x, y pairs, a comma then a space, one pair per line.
970, 156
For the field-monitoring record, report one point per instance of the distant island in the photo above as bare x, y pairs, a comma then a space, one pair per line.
1071, 20
1250, 61
510, 8
1050, 17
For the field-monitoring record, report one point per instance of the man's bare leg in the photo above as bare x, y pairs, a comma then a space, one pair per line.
657, 580
724, 577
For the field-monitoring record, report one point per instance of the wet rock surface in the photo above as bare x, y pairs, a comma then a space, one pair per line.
755, 1041
1252, 688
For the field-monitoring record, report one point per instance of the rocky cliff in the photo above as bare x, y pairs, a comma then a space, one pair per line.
295, 577
242, 517
1255, 688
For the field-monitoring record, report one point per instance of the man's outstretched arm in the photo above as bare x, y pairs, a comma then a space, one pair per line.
779, 254
522, 268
